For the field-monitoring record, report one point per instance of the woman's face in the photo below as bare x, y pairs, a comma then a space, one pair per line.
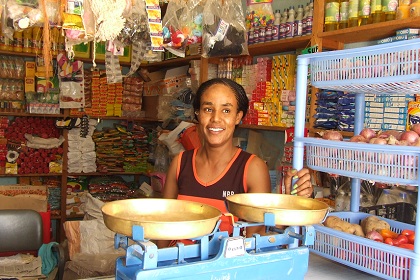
218, 115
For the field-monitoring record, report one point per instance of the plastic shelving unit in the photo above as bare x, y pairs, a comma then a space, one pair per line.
392, 68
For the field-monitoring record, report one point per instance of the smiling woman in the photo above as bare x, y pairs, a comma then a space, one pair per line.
218, 168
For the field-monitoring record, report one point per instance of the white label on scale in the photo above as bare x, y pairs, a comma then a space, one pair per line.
235, 247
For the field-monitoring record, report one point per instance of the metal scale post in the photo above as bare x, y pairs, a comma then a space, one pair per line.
218, 256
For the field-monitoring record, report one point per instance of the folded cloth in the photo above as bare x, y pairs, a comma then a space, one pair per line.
48, 257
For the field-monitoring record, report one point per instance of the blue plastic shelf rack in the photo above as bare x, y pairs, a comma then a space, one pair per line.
392, 68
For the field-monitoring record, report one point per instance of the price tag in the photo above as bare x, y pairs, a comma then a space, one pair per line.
235, 247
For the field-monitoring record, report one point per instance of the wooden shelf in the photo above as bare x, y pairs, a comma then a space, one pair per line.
280, 46
369, 32
106, 174
314, 131
175, 62
263, 127
24, 114
23, 54
32, 175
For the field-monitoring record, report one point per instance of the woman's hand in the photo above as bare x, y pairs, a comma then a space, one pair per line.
302, 186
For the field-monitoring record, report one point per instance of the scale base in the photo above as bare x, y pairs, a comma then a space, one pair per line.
277, 264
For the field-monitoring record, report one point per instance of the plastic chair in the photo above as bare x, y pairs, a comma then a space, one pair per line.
21, 231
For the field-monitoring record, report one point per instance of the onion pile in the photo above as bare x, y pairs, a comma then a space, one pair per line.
393, 137
385, 137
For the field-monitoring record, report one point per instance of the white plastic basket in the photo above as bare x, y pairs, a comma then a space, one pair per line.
380, 259
379, 163
386, 68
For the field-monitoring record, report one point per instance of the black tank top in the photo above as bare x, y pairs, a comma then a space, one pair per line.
231, 181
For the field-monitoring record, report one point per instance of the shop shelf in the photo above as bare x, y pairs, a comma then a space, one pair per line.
376, 258
379, 163
386, 68
391, 68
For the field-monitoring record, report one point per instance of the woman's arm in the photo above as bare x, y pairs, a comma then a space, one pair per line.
170, 189
258, 181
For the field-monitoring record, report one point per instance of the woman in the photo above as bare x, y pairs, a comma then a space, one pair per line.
218, 168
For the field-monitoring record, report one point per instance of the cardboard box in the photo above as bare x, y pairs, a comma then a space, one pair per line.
156, 107
150, 106
164, 82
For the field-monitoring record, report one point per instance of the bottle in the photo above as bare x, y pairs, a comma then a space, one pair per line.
364, 12
61, 41
3, 46
403, 12
353, 13
37, 39
310, 18
275, 32
415, 8
386, 198
342, 201
18, 41
389, 9
299, 21
55, 33
282, 33
403, 197
290, 22
27, 40
332, 14
268, 32
305, 17
251, 36
376, 14
344, 14
261, 34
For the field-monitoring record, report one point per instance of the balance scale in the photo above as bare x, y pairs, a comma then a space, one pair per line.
282, 254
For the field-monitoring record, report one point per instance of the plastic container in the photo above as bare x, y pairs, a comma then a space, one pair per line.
379, 259
387, 68
401, 212
386, 198
358, 160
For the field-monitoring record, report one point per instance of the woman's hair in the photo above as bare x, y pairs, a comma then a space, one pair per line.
237, 89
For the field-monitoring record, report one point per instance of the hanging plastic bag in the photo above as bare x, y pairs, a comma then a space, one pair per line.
71, 82
224, 30
260, 16
182, 25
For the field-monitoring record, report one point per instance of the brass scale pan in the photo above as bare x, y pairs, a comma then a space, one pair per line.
172, 219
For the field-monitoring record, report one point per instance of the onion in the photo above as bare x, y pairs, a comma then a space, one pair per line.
379, 141
403, 143
374, 235
416, 128
368, 133
358, 139
391, 140
410, 136
386, 133
416, 143
332, 135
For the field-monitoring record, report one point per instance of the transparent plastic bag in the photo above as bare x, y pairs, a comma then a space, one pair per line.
259, 14
224, 30
182, 25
